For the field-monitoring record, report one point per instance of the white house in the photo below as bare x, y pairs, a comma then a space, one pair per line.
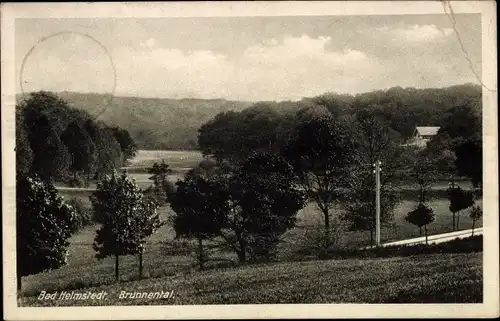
422, 134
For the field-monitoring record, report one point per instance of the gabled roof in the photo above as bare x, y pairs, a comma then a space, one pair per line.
426, 130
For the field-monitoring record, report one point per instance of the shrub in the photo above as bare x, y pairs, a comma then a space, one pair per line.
465, 245
84, 213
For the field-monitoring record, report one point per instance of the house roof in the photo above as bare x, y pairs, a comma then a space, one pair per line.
427, 130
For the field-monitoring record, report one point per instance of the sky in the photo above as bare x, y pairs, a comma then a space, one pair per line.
247, 58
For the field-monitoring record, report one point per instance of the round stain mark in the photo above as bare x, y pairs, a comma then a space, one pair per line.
82, 45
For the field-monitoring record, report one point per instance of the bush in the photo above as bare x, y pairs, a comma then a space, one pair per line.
77, 181
262, 248
317, 242
465, 245
84, 213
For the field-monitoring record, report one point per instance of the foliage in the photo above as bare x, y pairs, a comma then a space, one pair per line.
159, 172
469, 244
80, 147
64, 139
459, 200
469, 161
201, 205
475, 214
422, 215
83, 213
127, 219
420, 167
462, 127
376, 141
44, 222
127, 144
266, 196
24, 153
360, 205
51, 158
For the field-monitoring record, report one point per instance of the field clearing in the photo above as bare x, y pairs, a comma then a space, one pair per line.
435, 278
175, 159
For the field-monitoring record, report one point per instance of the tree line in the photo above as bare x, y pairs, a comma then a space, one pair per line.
64, 144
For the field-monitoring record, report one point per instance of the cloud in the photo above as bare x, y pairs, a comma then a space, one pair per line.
286, 68
417, 33
272, 70
151, 42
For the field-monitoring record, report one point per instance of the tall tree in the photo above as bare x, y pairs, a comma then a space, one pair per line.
321, 152
376, 141
51, 157
44, 224
81, 148
421, 170
127, 143
201, 205
459, 200
266, 196
24, 154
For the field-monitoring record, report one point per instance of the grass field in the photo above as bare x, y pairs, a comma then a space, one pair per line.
175, 159
443, 278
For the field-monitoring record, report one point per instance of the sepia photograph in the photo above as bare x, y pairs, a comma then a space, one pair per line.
183, 160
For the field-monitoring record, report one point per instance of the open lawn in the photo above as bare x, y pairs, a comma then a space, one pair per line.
436, 278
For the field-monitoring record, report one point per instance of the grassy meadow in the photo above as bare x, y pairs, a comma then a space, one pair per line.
441, 278
169, 263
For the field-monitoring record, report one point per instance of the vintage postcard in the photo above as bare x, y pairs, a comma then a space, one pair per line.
186, 160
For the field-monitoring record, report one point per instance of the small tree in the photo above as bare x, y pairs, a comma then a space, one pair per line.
360, 206
145, 223
162, 186
201, 206
321, 152
459, 200
475, 214
44, 223
421, 216
126, 219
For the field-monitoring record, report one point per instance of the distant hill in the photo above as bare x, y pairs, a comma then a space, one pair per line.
154, 123
159, 123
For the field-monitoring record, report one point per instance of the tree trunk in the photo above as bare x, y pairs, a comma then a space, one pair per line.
425, 227
140, 264
454, 221
242, 252
117, 271
200, 254
420, 230
473, 223
326, 214
19, 282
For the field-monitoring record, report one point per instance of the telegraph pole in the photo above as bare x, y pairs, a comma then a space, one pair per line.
377, 202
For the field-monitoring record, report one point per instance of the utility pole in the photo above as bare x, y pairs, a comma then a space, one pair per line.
377, 202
